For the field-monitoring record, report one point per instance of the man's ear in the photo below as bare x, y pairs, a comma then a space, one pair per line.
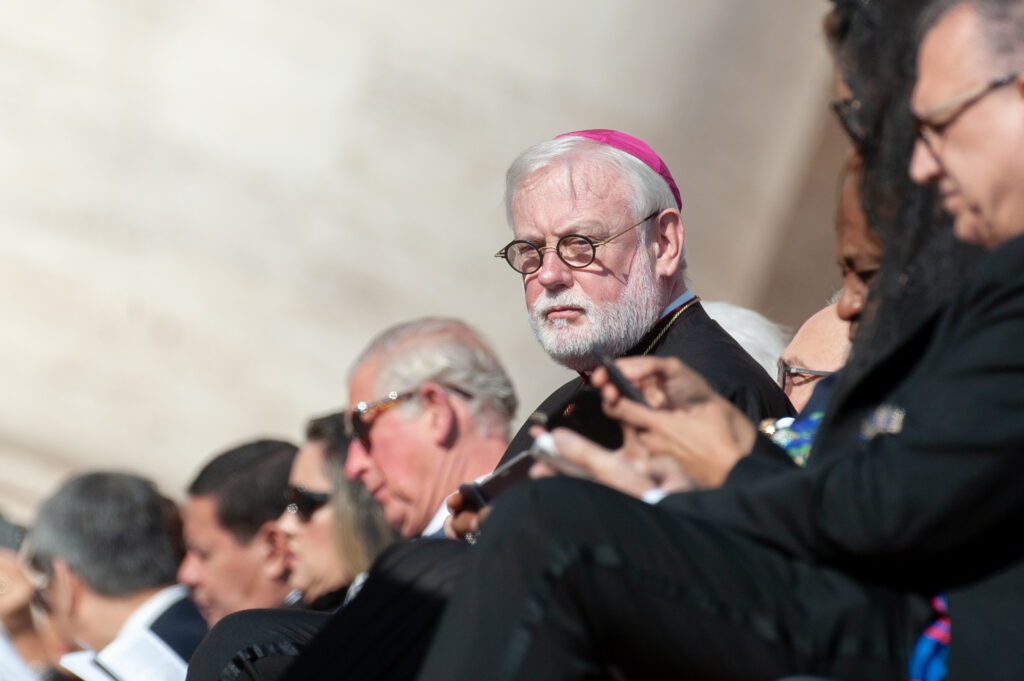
66, 591
439, 414
272, 548
670, 238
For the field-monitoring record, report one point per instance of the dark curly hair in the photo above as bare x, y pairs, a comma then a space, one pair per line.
875, 48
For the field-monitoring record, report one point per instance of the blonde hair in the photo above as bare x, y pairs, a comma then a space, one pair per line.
360, 531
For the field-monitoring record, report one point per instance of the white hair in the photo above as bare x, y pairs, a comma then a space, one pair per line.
649, 190
448, 352
763, 339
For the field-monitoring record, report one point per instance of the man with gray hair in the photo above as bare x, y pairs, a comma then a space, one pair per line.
890, 553
103, 553
600, 245
430, 406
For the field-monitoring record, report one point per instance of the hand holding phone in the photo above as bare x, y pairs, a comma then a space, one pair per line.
476, 495
626, 388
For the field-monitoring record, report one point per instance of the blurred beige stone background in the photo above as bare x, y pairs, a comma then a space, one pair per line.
208, 206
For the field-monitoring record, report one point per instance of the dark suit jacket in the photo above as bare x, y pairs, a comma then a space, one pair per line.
916, 478
380, 634
181, 626
705, 347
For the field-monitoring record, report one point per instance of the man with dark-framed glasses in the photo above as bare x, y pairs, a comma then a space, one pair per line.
889, 551
968, 124
600, 245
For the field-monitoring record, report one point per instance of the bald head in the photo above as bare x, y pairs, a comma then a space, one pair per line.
821, 344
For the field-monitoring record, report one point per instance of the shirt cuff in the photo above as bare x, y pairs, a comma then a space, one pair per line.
654, 495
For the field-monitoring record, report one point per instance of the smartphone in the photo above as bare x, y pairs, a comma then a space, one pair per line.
626, 388
583, 412
476, 495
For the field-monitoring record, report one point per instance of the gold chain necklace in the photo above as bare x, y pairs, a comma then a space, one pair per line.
671, 322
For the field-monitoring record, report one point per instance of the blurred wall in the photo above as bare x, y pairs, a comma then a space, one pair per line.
206, 208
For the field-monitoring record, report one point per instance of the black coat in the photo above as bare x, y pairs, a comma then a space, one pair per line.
705, 347
915, 487
916, 478
181, 627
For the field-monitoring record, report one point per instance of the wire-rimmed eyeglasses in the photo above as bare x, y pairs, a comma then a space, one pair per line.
930, 130
575, 250
787, 372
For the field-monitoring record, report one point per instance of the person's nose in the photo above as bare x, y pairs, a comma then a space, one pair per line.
188, 571
924, 166
553, 272
851, 300
358, 461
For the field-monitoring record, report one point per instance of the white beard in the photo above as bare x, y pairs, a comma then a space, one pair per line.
615, 327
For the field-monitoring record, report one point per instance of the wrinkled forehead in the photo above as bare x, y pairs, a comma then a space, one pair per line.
570, 187
823, 329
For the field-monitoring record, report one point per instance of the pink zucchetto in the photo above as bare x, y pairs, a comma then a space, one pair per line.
634, 147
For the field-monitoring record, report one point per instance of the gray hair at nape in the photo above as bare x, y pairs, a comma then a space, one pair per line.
114, 530
763, 339
649, 190
448, 352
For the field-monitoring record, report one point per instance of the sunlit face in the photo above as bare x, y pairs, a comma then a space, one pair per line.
402, 468
315, 567
975, 154
822, 344
224, 575
858, 249
613, 301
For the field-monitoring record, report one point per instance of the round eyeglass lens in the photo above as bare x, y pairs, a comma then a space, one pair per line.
523, 256
576, 251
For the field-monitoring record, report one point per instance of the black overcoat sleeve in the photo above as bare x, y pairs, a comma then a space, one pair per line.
932, 498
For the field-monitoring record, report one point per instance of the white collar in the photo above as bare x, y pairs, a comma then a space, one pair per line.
436, 524
153, 607
134, 648
435, 528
